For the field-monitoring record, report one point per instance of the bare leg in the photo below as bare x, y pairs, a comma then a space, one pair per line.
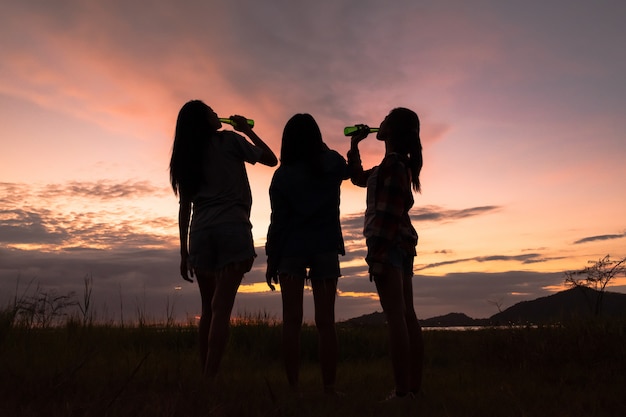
416, 342
391, 296
227, 282
291, 289
324, 291
206, 283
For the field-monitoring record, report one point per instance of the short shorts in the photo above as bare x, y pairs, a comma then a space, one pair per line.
215, 247
399, 259
319, 266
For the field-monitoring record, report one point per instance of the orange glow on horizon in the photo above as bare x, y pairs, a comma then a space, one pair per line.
352, 294
257, 287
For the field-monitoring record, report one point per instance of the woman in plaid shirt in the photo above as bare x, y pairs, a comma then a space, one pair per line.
391, 238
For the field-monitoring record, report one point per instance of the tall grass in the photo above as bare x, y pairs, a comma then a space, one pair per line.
92, 370
80, 367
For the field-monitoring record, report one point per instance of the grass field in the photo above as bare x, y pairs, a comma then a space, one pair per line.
77, 369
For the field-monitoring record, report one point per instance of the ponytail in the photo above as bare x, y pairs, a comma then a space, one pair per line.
405, 129
416, 162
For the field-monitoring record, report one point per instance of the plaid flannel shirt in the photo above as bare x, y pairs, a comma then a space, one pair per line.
391, 225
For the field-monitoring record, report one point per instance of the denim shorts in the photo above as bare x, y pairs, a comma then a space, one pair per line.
213, 248
398, 258
320, 266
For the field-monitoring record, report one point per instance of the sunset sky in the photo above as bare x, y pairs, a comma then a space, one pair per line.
523, 111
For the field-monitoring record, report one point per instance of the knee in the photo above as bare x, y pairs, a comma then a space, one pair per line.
324, 320
221, 307
207, 308
396, 309
410, 315
220, 318
292, 318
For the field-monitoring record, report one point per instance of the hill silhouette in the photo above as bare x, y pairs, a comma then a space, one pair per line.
577, 302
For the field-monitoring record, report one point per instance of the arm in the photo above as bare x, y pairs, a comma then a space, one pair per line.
184, 216
267, 157
355, 167
276, 230
273, 258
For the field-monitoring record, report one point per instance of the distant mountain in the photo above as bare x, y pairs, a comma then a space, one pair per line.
577, 302
453, 320
449, 320
374, 318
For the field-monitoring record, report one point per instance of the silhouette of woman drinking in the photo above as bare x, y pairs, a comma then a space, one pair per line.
391, 238
208, 173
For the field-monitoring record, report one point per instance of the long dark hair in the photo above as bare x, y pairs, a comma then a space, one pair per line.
193, 131
404, 130
302, 141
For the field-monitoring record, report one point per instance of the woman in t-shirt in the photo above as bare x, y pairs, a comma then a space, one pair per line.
208, 173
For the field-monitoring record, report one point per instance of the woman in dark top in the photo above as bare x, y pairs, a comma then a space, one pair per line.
391, 238
304, 240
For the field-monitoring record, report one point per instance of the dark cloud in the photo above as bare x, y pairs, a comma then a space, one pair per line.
599, 237
353, 223
23, 226
127, 282
524, 259
13, 194
435, 213
46, 215
471, 292
352, 227
428, 213
16, 193
133, 278
103, 189
58, 230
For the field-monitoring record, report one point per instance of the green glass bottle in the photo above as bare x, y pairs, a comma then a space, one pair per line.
351, 130
232, 123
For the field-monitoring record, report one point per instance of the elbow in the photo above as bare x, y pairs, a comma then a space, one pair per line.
357, 182
269, 159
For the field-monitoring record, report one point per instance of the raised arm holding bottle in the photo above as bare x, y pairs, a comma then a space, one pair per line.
391, 238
